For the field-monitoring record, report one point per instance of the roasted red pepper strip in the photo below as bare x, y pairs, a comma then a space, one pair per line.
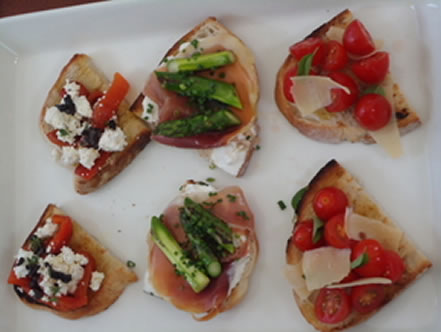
52, 135
88, 174
22, 282
63, 234
109, 103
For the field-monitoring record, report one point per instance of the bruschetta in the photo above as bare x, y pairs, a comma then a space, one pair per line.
335, 86
62, 269
202, 250
87, 120
345, 258
203, 95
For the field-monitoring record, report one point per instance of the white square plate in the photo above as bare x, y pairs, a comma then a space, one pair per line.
131, 37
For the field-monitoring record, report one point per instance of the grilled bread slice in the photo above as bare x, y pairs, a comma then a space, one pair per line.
416, 263
242, 145
81, 69
117, 275
339, 127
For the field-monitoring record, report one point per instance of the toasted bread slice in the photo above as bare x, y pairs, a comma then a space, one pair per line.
237, 293
211, 28
81, 69
117, 275
333, 174
339, 127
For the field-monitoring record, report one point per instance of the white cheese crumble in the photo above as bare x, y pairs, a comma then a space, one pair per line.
66, 262
112, 140
148, 287
196, 191
96, 280
72, 88
236, 271
88, 156
47, 230
150, 111
21, 271
69, 156
82, 106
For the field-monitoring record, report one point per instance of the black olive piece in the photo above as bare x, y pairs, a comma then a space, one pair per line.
401, 115
38, 293
111, 124
90, 137
68, 107
40, 251
59, 275
33, 269
34, 281
20, 261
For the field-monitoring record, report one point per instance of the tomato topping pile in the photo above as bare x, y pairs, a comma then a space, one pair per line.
365, 69
368, 258
53, 245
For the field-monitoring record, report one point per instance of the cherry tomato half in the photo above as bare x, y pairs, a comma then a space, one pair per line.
357, 40
352, 276
394, 266
340, 99
373, 69
373, 111
336, 57
367, 298
376, 262
328, 202
332, 305
335, 234
302, 237
308, 46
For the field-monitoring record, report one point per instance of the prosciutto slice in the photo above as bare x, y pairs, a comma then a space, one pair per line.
232, 207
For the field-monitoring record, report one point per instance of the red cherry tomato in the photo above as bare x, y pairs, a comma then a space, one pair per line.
357, 40
336, 57
332, 305
108, 105
328, 202
394, 266
373, 111
308, 46
367, 298
83, 90
52, 136
63, 234
287, 83
340, 99
302, 237
373, 69
335, 234
376, 262
352, 276
88, 174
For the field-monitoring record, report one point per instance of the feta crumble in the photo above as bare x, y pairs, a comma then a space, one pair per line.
112, 140
82, 106
47, 230
69, 156
88, 156
150, 111
96, 280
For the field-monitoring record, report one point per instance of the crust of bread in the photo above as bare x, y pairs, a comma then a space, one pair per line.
80, 68
117, 275
239, 292
209, 27
342, 126
333, 174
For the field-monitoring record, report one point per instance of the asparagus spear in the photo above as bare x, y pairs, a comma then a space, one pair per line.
214, 227
198, 124
200, 87
171, 248
201, 62
205, 254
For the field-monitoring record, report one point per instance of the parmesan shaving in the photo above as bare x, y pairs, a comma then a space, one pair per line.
336, 34
312, 93
389, 136
360, 282
359, 227
294, 274
324, 266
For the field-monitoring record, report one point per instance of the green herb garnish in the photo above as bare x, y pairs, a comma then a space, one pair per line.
195, 43
63, 132
377, 89
243, 214
295, 201
305, 65
360, 261
131, 264
317, 231
210, 179
211, 194
282, 205
231, 198
36, 243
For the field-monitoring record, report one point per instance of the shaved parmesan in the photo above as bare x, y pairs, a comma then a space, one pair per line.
324, 266
312, 93
360, 282
294, 275
389, 136
336, 34
359, 227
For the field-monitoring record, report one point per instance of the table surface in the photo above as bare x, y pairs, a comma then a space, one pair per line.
16, 7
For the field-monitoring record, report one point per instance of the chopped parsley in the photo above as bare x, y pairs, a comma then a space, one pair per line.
63, 132
149, 108
282, 205
195, 43
211, 194
231, 198
243, 214
212, 166
36, 243
55, 289
257, 147
131, 264
210, 179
